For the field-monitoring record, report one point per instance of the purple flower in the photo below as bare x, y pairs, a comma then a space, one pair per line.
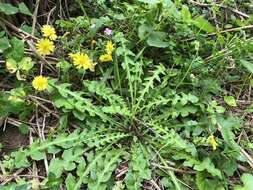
108, 32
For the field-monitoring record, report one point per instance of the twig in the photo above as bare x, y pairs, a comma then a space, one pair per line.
37, 122
248, 157
222, 6
232, 30
173, 169
155, 184
13, 176
222, 32
31, 52
122, 172
35, 16
242, 151
242, 168
45, 108
39, 98
5, 122
49, 14
2, 169
32, 176
34, 98
43, 139
18, 29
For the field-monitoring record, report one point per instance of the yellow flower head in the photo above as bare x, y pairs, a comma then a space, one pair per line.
73, 55
82, 61
212, 142
49, 32
40, 83
105, 58
109, 47
45, 47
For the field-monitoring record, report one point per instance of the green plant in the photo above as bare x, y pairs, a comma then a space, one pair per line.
152, 109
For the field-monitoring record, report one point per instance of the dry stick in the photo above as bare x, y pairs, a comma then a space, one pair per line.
43, 139
222, 32
49, 14
232, 30
173, 169
37, 122
3, 171
13, 122
43, 128
31, 52
155, 184
222, 6
34, 98
32, 176
67, 9
39, 98
242, 151
40, 131
45, 108
18, 29
239, 138
5, 122
13, 176
242, 168
122, 172
17, 123
35, 16
247, 156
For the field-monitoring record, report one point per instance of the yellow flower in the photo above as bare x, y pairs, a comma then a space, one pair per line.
109, 47
105, 58
212, 142
45, 47
82, 61
73, 55
40, 83
49, 32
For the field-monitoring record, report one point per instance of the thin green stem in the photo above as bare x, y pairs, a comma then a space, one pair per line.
117, 75
187, 72
128, 75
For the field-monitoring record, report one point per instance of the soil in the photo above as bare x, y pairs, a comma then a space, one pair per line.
11, 139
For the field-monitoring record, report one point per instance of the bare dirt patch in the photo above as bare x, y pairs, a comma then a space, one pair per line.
11, 139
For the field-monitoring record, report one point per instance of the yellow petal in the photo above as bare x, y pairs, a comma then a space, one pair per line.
40, 83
